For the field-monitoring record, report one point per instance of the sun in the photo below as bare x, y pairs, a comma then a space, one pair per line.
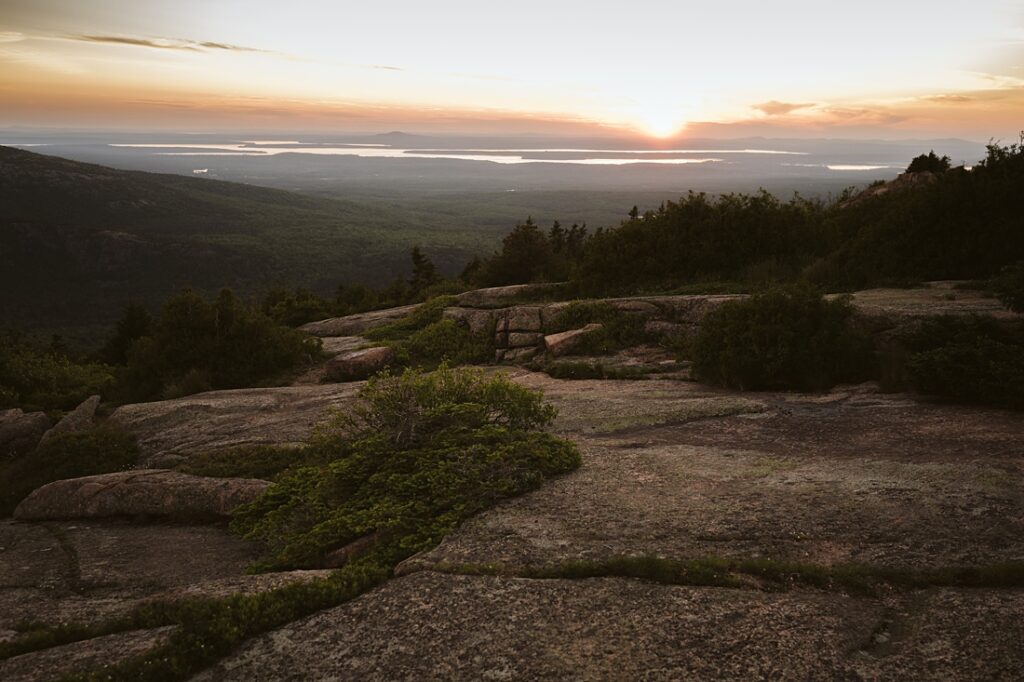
660, 122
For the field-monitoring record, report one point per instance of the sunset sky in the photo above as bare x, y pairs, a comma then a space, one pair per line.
721, 68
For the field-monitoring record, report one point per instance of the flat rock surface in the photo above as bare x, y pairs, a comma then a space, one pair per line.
52, 664
143, 492
87, 571
940, 298
430, 626
221, 419
352, 325
847, 477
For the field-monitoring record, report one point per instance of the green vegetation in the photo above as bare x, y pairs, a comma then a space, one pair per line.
960, 225
967, 359
99, 450
423, 339
788, 338
46, 379
247, 461
929, 163
1009, 286
618, 330
419, 454
766, 574
416, 456
198, 345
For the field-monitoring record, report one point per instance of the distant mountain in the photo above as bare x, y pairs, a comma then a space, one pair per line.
78, 241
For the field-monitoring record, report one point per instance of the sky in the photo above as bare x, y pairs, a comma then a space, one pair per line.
643, 68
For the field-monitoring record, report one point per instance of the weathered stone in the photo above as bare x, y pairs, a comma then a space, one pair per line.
524, 319
221, 419
335, 345
517, 355
662, 328
21, 432
524, 339
58, 662
478, 321
145, 492
353, 325
501, 339
357, 365
636, 307
564, 342
80, 419
500, 297
499, 628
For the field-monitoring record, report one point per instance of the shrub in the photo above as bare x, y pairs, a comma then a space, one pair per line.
422, 316
618, 329
99, 450
1009, 286
35, 379
247, 461
197, 345
447, 341
417, 455
972, 359
784, 338
930, 162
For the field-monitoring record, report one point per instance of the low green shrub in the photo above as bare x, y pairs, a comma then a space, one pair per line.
784, 338
100, 450
446, 341
967, 359
1009, 286
416, 456
36, 379
197, 345
247, 461
421, 316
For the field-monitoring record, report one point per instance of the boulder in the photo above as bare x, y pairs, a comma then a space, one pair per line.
564, 342
21, 432
144, 492
524, 339
662, 328
359, 364
524, 319
478, 321
501, 297
353, 325
518, 355
79, 419
335, 345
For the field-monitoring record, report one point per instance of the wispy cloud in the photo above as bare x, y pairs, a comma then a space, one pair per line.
163, 43
777, 108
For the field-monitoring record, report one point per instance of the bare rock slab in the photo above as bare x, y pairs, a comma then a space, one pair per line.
353, 325
357, 365
431, 626
79, 419
222, 419
146, 492
20, 432
564, 343
54, 663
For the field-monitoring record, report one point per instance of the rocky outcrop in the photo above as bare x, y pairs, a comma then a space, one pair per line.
563, 343
501, 297
146, 492
357, 365
79, 419
172, 430
353, 325
20, 432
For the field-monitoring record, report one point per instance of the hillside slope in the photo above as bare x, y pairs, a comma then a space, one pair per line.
78, 241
